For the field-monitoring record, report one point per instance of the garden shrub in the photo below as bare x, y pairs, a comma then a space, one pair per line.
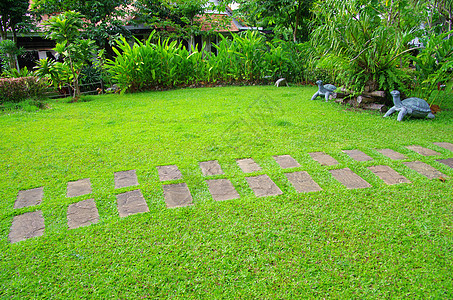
145, 65
14, 90
245, 58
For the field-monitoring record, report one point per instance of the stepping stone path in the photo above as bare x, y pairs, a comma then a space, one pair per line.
131, 203
248, 165
448, 162
177, 195
263, 186
323, 159
448, 146
392, 154
222, 189
29, 198
388, 175
286, 161
423, 151
349, 179
26, 226
82, 213
302, 182
78, 188
210, 168
167, 173
357, 155
423, 169
125, 179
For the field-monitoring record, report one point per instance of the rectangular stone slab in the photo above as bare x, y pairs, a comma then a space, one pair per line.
25, 226
131, 203
388, 175
448, 146
423, 169
357, 155
303, 182
248, 165
29, 197
286, 161
349, 179
210, 168
448, 162
422, 151
167, 173
125, 179
222, 189
392, 154
177, 195
82, 213
263, 186
78, 188
323, 159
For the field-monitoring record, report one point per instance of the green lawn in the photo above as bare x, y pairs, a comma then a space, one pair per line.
380, 242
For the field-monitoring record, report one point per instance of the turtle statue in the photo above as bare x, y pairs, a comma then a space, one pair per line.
324, 90
415, 107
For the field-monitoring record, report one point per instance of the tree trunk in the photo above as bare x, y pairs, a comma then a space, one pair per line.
450, 23
3, 33
14, 35
16, 61
76, 78
191, 43
296, 25
192, 38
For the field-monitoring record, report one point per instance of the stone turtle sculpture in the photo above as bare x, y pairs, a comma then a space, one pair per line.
415, 107
324, 90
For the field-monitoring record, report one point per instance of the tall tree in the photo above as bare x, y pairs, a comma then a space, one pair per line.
178, 18
65, 29
279, 15
12, 13
103, 18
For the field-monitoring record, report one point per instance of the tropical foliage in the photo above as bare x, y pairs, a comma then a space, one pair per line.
366, 49
247, 57
434, 64
8, 55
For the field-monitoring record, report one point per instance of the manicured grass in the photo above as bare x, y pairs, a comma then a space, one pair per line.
380, 242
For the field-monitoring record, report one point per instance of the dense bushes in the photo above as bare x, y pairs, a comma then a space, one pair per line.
144, 65
245, 58
15, 90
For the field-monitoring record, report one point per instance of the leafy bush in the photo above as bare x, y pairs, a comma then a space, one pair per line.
285, 59
14, 90
247, 57
365, 51
434, 64
14, 73
145, 65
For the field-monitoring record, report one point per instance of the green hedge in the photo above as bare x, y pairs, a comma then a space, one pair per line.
14, 90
